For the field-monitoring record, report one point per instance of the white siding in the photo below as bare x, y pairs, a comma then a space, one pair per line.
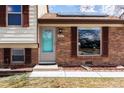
42, 9
21, 34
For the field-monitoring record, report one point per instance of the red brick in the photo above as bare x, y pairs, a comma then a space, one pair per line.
116, 50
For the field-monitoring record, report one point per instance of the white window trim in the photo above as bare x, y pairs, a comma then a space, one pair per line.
100, 42
14, 13
17, 62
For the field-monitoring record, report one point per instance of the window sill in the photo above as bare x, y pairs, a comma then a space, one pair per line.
88, 55
17, 62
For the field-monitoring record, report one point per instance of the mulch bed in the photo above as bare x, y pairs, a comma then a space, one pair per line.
92, 69
73, 68
7, 72
107, 69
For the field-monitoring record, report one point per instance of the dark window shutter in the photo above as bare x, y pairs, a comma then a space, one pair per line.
25, 13
7, 55
2, 15
27, 55
105, 41
73, 41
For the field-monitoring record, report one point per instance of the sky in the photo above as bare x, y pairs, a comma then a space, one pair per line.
83, 9
69, 8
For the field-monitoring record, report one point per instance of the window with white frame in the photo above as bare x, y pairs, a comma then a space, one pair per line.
89, 41
14, 15
18, 55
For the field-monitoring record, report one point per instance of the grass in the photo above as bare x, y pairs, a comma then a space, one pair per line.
22, 81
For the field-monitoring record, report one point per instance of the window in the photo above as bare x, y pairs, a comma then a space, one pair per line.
14, 14
89, 41
18, 55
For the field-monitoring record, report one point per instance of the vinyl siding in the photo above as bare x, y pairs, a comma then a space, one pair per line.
15, 34
42, 9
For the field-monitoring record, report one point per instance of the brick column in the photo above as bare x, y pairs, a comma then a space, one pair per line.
1, 56
34, 55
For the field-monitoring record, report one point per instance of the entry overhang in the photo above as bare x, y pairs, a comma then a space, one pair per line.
18, 45
82, 25
81, 22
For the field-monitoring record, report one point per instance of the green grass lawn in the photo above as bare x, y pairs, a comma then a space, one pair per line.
22, 80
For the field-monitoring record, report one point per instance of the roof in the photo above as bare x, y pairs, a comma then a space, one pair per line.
52, 18
77, 14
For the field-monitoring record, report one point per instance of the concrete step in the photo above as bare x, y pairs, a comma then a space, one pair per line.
45, 67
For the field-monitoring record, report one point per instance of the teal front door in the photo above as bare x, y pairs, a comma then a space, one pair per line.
47, 46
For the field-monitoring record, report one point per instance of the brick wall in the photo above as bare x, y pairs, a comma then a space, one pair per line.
116, 50
34, 59
34, 56
1, 56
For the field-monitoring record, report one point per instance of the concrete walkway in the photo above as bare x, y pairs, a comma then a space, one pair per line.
61, 73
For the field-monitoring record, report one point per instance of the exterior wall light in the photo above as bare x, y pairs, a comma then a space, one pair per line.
60, 30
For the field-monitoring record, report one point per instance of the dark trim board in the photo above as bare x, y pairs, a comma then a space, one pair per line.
80, 21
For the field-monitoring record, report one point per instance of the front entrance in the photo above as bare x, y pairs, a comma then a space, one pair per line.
47, 46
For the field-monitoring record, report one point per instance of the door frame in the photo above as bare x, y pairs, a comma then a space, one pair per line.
39, 40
